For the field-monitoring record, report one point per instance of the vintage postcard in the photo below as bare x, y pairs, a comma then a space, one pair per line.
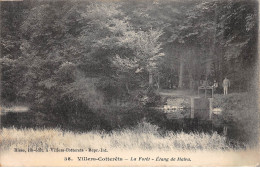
129, 83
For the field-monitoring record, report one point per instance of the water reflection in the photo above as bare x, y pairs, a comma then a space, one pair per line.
17, 109
217, 111
183, 112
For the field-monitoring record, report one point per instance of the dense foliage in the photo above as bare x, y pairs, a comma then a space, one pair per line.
68, 59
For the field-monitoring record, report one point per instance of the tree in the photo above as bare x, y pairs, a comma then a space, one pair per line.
136, 50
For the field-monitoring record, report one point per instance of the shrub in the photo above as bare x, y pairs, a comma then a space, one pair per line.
240, 116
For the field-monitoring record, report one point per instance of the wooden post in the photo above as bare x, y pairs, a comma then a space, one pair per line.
202, 108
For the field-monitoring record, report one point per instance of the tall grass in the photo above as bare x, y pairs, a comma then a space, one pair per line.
143, 137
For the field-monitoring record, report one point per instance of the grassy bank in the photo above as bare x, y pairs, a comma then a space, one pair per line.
142, 137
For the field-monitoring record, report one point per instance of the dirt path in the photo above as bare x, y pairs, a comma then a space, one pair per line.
177, 93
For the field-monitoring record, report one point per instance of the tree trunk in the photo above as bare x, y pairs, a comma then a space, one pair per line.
150, 79
127, 88
221, 64
191, 80
181, 74
158, 81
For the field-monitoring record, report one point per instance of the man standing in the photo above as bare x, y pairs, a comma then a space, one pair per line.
215, 85
226, 85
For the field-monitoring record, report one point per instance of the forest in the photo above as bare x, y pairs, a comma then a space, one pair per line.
97, 64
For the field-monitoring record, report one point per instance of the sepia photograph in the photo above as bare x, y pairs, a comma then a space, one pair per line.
136, 83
